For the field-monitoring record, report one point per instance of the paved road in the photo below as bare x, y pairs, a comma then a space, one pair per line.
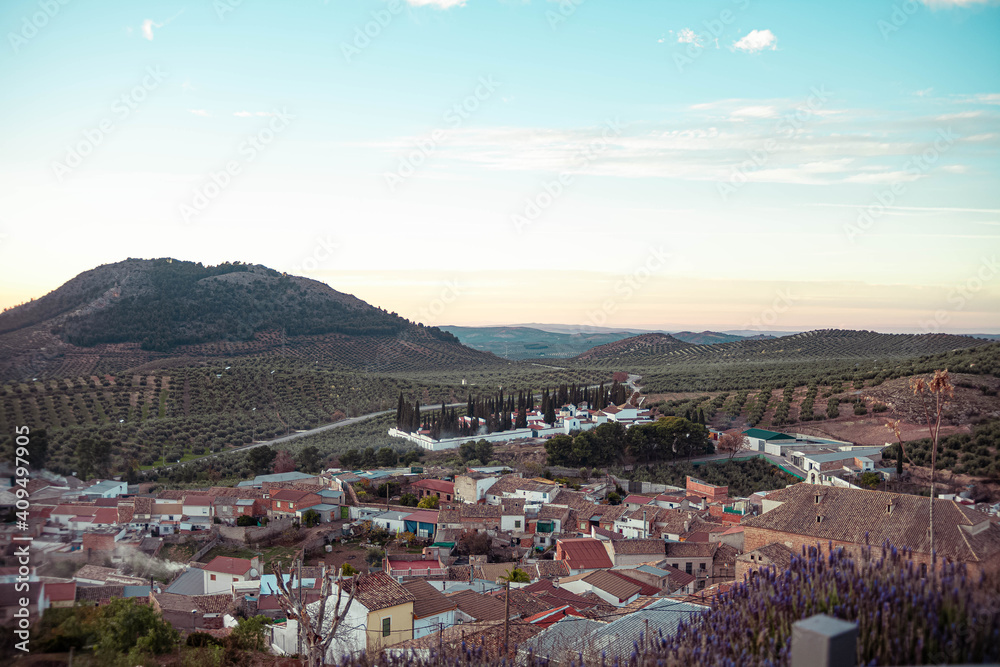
298, 434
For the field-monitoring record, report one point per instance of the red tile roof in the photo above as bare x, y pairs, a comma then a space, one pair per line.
378, 591
438, 485
60, 592
422, 516
585, 553
106, 515
644, 588
228, 565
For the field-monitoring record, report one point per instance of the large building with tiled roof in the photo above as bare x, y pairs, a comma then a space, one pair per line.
583, 554
809, 514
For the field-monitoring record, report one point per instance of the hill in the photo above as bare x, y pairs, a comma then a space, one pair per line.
527, 343
709, 337
823, 356
635, 349
164, 312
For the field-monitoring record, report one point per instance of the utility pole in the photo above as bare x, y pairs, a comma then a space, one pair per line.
506, 618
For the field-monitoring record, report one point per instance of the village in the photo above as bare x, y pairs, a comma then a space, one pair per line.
493, 556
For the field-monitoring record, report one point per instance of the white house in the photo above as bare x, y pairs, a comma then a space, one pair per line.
222, 572
197, 506
108, 488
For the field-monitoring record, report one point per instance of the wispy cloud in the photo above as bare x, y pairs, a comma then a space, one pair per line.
756, 111
149, 24
199, 112
852, 146
756, 41
950, 4
689, 36
440, 4
250, 114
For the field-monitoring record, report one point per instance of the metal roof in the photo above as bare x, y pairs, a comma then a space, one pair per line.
839, 456
191, 582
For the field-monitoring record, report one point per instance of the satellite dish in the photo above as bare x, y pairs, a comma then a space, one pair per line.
254, 573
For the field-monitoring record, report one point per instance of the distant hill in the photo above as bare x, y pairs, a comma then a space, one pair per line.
820, 344
528, 343
564, 341
643, 346
164, 311
708, 337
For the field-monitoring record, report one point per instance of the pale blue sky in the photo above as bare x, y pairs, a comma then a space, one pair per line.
742, 140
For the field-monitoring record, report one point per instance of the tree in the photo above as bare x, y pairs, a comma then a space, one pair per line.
283, 462
248, 635
473, 543
310, 460
484, 450
351, 459
408, 500
349, 570
386, 457
246, 521
429, 503
311, 518
127, 628
318, 626
733, 442
93, 458
260, 459
614, 498
517, 576
934, 396
39, 448
869, 480
467, 450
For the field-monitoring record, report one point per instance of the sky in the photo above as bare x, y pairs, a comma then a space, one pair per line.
726, 164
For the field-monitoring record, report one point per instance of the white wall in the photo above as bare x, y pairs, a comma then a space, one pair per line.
425, 626
223, 582
507, 522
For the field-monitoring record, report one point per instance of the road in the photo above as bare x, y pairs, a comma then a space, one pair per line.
298, 434
326, 427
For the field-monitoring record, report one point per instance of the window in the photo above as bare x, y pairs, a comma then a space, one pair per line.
279, 503
702, 565
687, 567
517, 524
212, 577
385, 626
